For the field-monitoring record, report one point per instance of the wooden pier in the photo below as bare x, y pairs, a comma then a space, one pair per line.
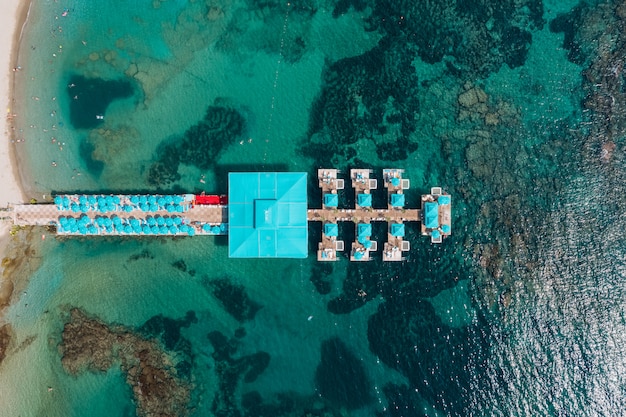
190, 215
115, 215
363, 214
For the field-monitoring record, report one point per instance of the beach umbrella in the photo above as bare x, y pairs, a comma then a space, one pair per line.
364, 200
150, 220
395, 181
155, 229
75, 208
144, 207
179, 209
367, 243
445, 228
103, 209
178, 199
92, 199
331, 200
223, 227
128, 209
128, 228
143, 199
83, 200
397, 200
436, 234
397, 229
66, 201
92, 229
177, 221
111, 207
152, 199
58, 200
109, 199
82, 230
169, 221
168, 199
171, 208
358, 255
364, 229
161, 201
183, 228
107, 222
331, 229
160, 221
215, 229
163, 230
63, 220
116, 220
116, 199
137, 229
206, 227
109, 229
173, 230
84, 208
100, 221
146, 229
134, 199
191, 231
154, 207
71, 221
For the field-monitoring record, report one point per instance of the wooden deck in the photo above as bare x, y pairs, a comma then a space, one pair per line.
200, 218
363, 215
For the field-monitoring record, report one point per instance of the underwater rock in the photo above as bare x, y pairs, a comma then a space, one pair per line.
167, 329
318, 273
106, 143
371, 97
199, 146
230, 371
340, 377
91, 345
465, 31
233, 298
5, 339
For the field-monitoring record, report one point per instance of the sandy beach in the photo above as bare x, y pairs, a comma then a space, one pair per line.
11, 21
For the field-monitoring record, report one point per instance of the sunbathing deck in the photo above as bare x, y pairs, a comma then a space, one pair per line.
75, 215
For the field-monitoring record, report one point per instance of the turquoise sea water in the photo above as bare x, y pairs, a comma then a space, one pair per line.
514, 107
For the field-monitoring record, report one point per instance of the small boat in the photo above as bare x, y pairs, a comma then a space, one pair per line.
99, 117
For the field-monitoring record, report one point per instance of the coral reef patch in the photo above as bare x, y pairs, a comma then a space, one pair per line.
90, 345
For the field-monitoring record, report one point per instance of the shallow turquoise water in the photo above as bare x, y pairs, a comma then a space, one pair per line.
519, 313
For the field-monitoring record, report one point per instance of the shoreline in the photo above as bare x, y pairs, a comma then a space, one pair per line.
11, 190
13, 23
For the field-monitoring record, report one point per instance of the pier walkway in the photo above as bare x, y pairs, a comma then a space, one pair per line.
264, 215
75, 215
